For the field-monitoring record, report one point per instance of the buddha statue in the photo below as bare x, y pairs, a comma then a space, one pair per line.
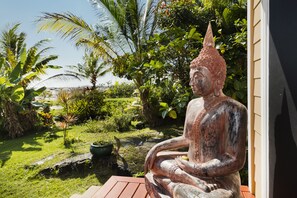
215, 132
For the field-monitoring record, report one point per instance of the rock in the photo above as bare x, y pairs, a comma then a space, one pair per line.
80, 164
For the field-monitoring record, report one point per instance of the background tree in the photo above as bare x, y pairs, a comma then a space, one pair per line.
91, 69
119, 38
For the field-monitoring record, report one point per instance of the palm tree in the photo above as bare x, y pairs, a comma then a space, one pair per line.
123, 28
91, 69
121, 41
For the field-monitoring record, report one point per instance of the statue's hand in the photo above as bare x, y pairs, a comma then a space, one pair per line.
193, 168
185, 165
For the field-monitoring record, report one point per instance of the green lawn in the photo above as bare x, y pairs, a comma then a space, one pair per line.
15, 155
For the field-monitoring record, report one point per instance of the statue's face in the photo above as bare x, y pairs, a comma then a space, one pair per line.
201, 81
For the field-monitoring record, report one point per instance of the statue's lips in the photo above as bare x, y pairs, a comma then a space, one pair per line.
196, 90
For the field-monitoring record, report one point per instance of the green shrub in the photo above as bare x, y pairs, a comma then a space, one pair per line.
87, 106
108, 125
135, 108
93, 126
122, 120
98, 126
139, 174
123, 90
46, 119
71, 140
117, 116
119, 121
111, 105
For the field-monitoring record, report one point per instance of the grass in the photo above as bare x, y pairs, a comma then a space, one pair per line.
119, 99
15, 155
18, 178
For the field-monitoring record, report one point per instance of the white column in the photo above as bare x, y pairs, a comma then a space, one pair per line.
265, 98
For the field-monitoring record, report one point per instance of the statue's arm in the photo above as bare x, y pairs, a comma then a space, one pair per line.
234, 157
174, 143
177, 142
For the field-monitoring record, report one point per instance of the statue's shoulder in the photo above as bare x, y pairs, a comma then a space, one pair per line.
234, 104
194, 102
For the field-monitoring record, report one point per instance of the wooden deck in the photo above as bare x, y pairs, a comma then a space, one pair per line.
129, 187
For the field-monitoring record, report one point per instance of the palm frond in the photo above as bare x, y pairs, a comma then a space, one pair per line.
30, 60
133, 21
41, 43
20, 43
67, 25
12, 40
59, 77
11, 59
105, 50
76, 74
53, 67
116, 13
43, 51
74, 28
77, 70
28, 78
149, 20
101, 71
43, 64
115, 9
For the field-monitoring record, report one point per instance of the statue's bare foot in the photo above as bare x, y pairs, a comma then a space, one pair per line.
201, 185
212, 186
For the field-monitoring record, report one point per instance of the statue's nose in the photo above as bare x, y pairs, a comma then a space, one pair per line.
191, 83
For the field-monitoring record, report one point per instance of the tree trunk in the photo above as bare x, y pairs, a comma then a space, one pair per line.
148, 110
12, 123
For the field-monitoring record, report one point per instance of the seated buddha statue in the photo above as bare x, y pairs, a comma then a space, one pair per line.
215, 132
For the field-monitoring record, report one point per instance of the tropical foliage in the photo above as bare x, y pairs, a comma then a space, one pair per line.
152, 43
19, 67
84, 104
119, 40
87, 105
120, 90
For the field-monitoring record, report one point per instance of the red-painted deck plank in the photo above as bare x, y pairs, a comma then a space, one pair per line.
106, 188
117, 190
141, 192
129, 190
130, 187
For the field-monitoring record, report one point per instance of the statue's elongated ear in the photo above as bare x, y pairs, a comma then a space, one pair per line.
217, 88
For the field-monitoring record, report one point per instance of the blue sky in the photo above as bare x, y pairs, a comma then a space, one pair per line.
27, 12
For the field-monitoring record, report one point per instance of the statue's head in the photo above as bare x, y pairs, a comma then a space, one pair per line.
208, 59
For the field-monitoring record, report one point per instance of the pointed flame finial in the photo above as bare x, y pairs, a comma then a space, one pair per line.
208, 39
